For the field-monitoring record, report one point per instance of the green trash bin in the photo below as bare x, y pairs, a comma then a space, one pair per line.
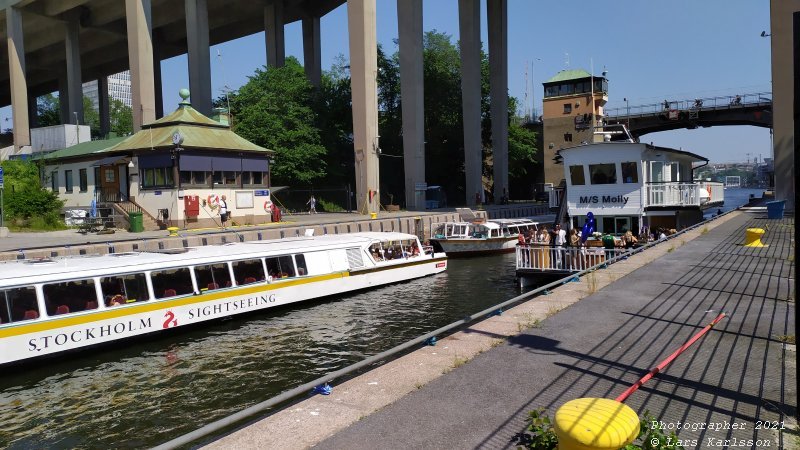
136, 221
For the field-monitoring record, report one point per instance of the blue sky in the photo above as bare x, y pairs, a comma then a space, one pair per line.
680, 49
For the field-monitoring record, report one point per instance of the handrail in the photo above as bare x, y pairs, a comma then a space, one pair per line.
306, 387
707, 103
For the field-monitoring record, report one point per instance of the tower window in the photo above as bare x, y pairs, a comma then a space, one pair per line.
567, 137
567, 108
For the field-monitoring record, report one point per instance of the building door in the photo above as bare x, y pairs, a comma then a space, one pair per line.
109, 184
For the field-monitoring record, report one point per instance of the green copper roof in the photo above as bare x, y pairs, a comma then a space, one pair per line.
85, 148
567, 75
197, 130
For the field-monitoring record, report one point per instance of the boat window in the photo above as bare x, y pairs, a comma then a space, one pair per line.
212, 276
124, 289
576, 176
248, 271
18, 304
69, 297
439, 233
280, 267
172, 282
608, 225
300, 261
375, 251
603, 173
629, 173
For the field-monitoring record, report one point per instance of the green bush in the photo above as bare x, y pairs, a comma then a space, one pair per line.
329, 206
26, 203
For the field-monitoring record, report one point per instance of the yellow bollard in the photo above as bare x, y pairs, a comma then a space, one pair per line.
373, 215
173, 231
752, 237
595, 424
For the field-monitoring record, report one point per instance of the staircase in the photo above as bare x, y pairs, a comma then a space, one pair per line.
125, 208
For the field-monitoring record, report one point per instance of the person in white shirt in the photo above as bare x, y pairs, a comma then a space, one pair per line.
223, 211
559, 240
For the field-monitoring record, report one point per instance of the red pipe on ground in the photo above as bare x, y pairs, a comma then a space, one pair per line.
667, 361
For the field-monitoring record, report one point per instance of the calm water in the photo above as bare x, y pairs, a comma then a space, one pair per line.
147, 393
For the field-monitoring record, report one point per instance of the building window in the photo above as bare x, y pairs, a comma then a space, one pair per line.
603, 173
97, 178
576, 176
194, 178
83, 180
159, 177
567, 108
110, 175
254, 178
567, 137
54, 181
225, 177
629, 173
68, 181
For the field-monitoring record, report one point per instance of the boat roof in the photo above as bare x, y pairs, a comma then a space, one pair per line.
494, 223
27, 272
592, 146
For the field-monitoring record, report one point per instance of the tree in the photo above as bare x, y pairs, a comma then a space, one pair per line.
91, 117
274, 110
121, 117
48, 110
26, 200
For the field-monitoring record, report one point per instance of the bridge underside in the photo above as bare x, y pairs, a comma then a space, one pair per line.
639, 125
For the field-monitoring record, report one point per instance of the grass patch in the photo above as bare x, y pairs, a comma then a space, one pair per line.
329, 206
528, 322
497, 343
786, 338
671, 249
591, 280
458, 361
704, 230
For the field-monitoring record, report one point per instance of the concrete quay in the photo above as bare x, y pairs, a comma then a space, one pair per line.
71, 242
592, 338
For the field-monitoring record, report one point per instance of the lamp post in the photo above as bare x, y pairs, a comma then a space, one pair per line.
628, 112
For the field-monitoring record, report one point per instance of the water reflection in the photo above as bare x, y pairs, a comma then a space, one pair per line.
147, 392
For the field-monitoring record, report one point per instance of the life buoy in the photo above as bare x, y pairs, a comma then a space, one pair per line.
708, 188
267, 205
213, 201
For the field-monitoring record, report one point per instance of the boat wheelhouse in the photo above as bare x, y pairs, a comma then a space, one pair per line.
54, 305
634, 186
479, 236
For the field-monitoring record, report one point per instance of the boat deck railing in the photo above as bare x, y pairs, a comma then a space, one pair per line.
683, 193
545, 258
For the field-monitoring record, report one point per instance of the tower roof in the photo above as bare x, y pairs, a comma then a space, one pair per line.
566, 75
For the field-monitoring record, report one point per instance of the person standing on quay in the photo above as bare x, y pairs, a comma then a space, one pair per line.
223, 211
312, 205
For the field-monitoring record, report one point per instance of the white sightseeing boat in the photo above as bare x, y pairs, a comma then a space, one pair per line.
51, 306
479, 236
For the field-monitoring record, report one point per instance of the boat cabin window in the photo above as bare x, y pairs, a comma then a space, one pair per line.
603, 173
212, 276
438, 233
280, 267
69, 297
18, 304
172, 282
124, 289
248, 271
629, 173
376, 251
478, 231
576, 176
300, 261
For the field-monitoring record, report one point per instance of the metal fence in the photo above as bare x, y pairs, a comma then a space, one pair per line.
696, 104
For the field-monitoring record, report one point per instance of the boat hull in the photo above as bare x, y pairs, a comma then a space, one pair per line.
475, 247
32, 340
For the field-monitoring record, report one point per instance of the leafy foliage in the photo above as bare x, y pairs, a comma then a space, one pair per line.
48, 110
121, 117
274, 110
26, 200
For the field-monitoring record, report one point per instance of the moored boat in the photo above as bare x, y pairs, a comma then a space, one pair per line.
479, 236
54, 305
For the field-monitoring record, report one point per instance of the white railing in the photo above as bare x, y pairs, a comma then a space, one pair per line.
555, 197
562, 259
683, 193
672, 194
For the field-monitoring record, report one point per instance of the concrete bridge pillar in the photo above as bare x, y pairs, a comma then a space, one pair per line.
469, 23
16, 74
199, 57
312, 56
364, 86
103, 106
74, 96
140, 54
497, 18
409, 20
785, 35
63, 99
273, 27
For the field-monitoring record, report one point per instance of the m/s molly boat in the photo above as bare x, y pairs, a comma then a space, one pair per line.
50, 306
